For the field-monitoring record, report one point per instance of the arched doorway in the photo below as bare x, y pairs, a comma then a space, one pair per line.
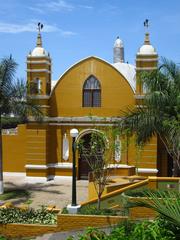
87, 158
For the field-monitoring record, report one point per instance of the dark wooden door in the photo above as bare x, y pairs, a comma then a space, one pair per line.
84, 160
84, 167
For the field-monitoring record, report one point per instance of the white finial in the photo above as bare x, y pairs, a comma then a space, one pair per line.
118, 51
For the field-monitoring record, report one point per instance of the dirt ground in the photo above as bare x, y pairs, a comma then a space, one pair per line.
56, 192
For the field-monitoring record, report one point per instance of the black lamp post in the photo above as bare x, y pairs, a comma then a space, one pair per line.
74, 133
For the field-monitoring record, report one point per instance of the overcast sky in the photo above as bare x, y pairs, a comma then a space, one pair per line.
75, 29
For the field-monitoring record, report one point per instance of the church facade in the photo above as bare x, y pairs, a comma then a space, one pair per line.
90, 96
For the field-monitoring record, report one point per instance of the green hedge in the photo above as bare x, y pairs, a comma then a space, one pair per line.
10, 122
92, 210
156, 230
31, 216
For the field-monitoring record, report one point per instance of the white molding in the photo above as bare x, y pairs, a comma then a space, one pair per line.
139, 96
146, 68
37, 57
93, 119
141, 106
38, 70
119, 166
34, 166
39, 96
14, 174
147, 170
64, 165
147, 60
50, 165
10, 131
44, 106
40, 61
56, 178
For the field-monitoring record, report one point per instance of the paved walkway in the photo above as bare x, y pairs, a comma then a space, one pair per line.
60, 235
56, 192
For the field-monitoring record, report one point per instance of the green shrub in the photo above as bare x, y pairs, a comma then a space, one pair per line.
10, 122
31, 216
2, 238
130, 231
166, 203
64, 210
92, 210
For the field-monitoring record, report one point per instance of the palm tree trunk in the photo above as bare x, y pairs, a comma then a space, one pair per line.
1, 160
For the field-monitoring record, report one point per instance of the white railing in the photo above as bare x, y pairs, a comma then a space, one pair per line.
11, 131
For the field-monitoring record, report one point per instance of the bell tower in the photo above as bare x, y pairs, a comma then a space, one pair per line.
146, 60
39, 73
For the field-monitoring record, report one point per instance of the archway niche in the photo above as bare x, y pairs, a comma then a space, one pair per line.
87, 157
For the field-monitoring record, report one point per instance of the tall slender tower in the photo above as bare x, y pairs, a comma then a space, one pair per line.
118, 50
39, 73
146, 60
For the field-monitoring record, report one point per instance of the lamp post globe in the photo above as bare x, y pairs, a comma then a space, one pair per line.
74, 133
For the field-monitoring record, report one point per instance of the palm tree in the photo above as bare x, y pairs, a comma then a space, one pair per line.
13, 99
160, 114
166, 203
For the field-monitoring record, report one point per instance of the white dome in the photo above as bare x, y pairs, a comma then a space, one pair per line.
128, 71
118, 43
147, 50
39, 52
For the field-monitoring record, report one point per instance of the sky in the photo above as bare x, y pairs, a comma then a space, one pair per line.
76, 29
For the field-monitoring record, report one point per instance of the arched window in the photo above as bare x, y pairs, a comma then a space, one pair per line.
35, 86
92, 93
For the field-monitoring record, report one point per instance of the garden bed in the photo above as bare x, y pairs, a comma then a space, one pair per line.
27, 216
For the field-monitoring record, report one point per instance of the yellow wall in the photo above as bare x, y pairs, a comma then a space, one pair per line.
116, 94
14, 148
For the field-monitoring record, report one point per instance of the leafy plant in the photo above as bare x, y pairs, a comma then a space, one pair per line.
31, 216
92, 210
10, 122
160, 114
167, 204
2, 238
130, 231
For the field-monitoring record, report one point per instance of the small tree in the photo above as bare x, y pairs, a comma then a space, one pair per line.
98, 155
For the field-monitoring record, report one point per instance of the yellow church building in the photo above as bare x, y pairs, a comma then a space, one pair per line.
89, 96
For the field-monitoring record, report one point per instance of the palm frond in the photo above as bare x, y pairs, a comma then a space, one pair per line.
7, 72
167, 204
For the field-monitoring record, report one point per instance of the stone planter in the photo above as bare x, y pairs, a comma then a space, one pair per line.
140, 212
